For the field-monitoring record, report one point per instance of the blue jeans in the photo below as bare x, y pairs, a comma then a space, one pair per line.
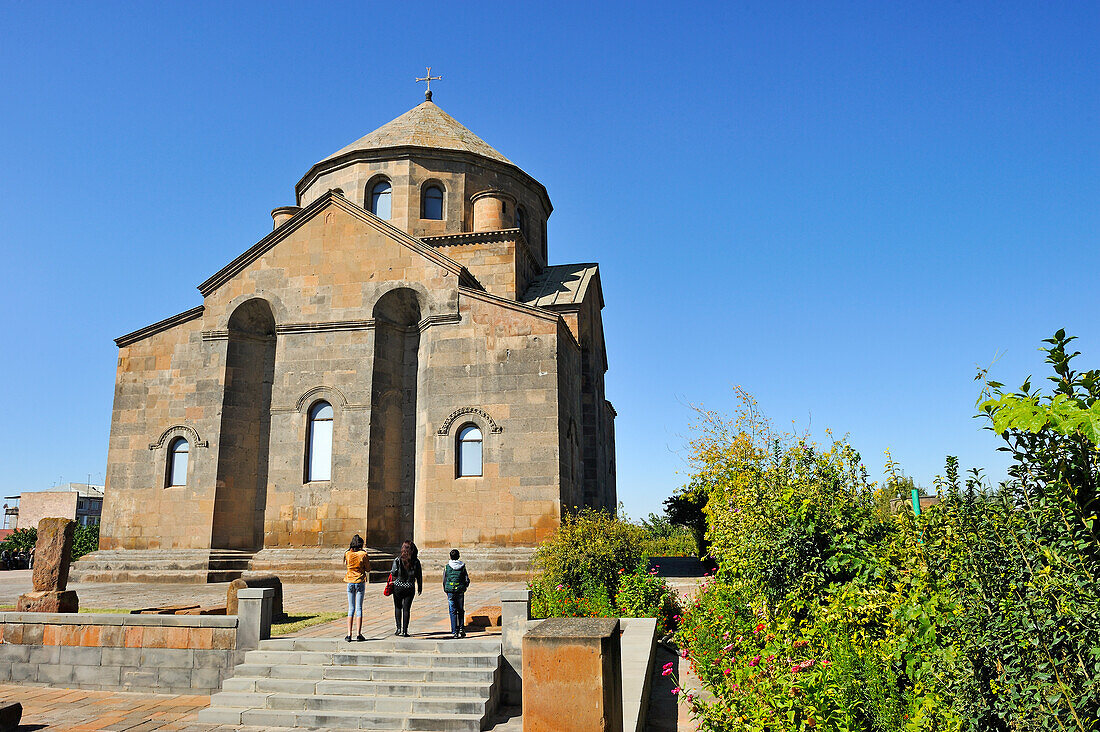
355, 598
456, 604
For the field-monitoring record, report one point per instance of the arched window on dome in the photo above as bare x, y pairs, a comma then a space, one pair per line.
521, 221
178, 451
380, 195
431, 203
319, 443
468, 452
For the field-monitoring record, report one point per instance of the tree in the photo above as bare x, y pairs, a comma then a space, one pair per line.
685, 508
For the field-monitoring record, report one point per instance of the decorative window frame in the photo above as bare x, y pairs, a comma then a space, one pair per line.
494, 428
160, 452
436, 183
305, 404
368, 194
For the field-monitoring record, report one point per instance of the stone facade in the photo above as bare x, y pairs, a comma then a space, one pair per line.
410, 328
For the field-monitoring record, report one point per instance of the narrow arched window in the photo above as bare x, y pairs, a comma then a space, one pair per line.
520, 222
178, 451
432, 203
469, 451
319, 449
380, 199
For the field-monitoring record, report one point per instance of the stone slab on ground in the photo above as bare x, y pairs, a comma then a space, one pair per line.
484, 617
48, 601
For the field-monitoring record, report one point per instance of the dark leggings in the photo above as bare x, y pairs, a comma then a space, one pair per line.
402, 603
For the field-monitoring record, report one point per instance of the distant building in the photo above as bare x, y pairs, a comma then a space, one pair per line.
81, 502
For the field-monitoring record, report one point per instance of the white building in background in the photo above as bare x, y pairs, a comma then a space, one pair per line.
82, 502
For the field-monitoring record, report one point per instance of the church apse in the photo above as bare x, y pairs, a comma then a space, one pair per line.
243, 446
392, 460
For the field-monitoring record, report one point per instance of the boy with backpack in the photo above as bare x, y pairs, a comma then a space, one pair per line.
455, 581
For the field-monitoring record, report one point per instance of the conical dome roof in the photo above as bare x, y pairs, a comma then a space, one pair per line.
425, 125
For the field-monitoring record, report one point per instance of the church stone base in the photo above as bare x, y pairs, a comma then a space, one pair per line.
190, 566
298, 565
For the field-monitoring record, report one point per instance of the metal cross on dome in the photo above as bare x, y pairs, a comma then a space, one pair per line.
429, 78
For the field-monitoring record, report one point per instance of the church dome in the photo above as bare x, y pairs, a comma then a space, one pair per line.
427, 126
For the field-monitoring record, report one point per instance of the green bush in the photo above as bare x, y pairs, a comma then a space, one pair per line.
85, 540
20, 540
642, 594
982, 613
584, 570
588, 551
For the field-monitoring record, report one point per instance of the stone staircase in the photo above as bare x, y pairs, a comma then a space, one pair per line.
444, 685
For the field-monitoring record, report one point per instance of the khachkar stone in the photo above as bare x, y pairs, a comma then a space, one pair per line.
52, 555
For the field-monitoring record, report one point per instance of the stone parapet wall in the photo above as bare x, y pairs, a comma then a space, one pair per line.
149, 653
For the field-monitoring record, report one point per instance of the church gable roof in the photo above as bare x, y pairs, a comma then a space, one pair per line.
425, 125
331, 198
563, 285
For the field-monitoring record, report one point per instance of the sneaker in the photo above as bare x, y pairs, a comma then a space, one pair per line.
359, 638
347, 638
462, 634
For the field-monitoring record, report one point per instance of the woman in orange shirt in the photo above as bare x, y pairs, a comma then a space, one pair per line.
358, 566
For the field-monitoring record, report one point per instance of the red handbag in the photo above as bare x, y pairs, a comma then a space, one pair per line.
388, 589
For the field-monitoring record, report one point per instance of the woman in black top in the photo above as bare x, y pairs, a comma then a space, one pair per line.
406, 573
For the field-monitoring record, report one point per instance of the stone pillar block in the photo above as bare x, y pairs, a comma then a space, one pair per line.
572, 676
267, 580
52, 554
515, 611
253, 616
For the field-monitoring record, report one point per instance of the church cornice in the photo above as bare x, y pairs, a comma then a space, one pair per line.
159, 326
499, 236
331, 198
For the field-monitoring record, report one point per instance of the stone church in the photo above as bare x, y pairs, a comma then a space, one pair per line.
397, 358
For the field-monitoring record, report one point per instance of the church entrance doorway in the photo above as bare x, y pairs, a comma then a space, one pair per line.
241, 492
391, 481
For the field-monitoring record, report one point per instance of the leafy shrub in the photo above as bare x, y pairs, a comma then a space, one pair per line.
982, 613
660, 537
20, 540
643, 594
588, 551
85, 540
594, 567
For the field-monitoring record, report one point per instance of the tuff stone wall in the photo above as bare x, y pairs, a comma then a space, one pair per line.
161, 654
461, 176
209, 381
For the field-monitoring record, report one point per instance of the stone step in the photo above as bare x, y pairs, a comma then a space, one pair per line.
381, 659
388, 704
445, 722
410, 674
441, 685
387, 645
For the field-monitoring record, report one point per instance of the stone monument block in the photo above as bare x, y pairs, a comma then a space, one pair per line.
52, 554
572, 676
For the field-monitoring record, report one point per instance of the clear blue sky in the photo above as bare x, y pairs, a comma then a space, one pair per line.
842, 207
